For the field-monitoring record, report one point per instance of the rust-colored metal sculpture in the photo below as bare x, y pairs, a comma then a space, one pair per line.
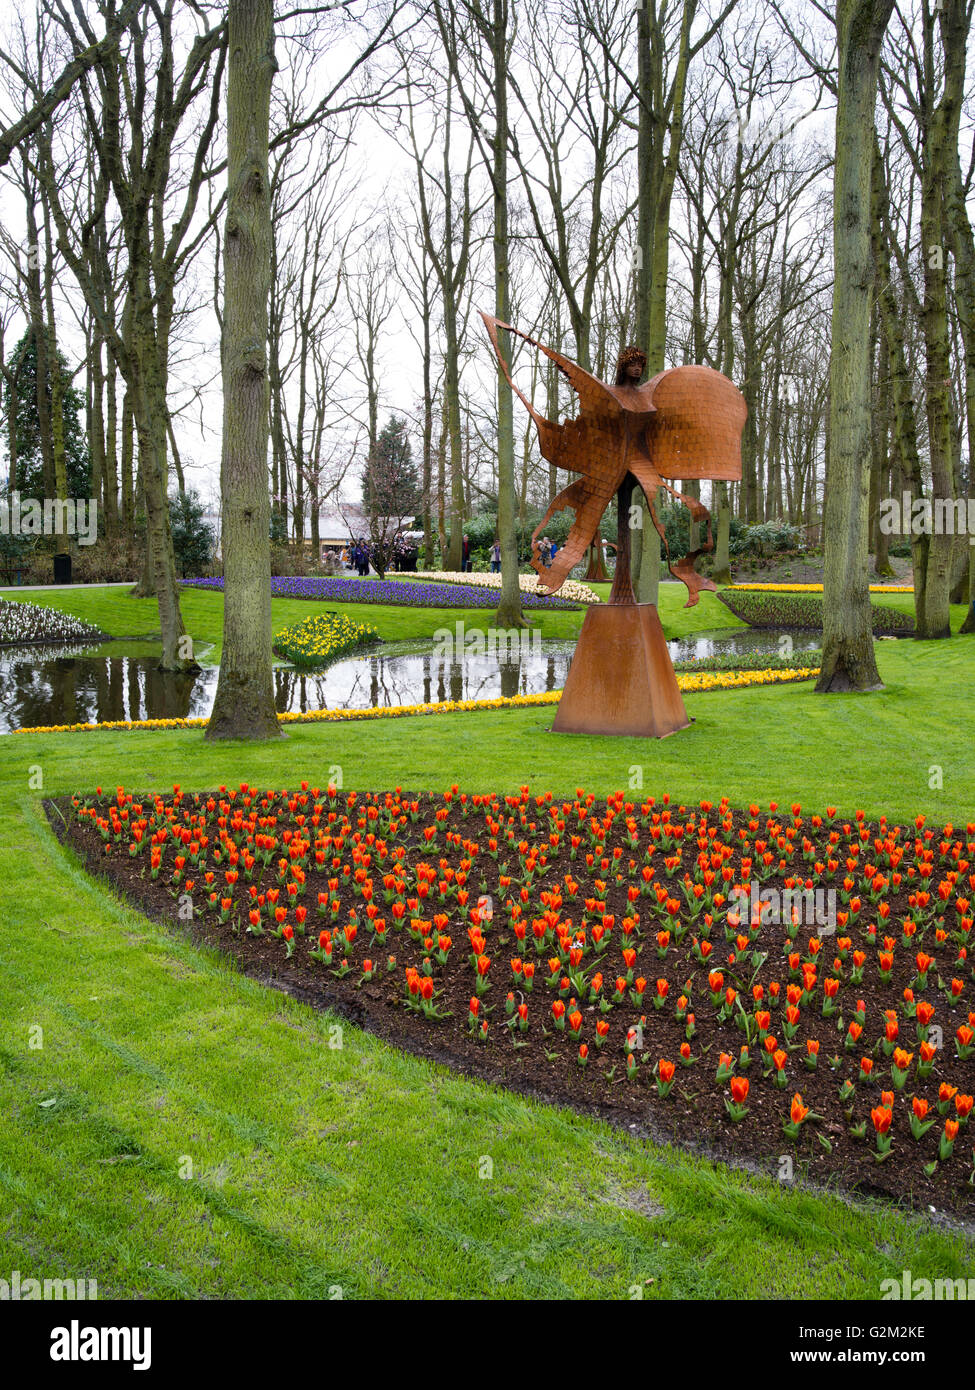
683, 423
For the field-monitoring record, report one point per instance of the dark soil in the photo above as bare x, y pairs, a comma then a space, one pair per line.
545, 1063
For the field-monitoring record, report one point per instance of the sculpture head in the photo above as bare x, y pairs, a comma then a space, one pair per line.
630, 366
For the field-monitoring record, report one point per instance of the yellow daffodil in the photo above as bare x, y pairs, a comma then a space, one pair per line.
689, 684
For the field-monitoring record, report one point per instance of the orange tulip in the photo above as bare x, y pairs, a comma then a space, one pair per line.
882, 1118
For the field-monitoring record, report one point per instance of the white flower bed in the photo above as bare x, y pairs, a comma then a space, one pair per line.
28, 622
572, 589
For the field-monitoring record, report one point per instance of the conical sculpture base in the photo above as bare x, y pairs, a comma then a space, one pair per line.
622, 679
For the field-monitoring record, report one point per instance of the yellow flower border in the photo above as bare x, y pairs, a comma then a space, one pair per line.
688, 683
818, 588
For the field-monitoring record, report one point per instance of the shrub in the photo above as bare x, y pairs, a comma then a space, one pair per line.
114, 561
764, 539
764, 609
193, 537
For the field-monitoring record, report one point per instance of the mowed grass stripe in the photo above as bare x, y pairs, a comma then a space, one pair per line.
362, 1165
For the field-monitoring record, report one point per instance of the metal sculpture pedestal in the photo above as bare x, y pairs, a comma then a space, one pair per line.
622, 679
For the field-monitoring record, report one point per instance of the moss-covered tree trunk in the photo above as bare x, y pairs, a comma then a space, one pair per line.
35, 306
149, 417
509, 612
58, 450
955, 24
849, 662
721, 571
244, 705
934, 617
96, 429
655, 184
126, 464
901, 386
880, 460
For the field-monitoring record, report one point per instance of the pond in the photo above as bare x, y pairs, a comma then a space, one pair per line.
43, 686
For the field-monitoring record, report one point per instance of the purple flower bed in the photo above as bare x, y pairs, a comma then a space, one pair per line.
403, 593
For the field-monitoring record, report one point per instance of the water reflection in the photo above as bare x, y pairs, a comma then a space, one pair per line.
409, 678
40, 687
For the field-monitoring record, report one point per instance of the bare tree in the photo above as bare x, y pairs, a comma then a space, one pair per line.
849, 662
46, 103
133, 124
244, 702
478, 35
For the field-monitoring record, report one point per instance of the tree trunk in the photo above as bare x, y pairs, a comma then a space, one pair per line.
111, 447
721, 573
934, 618
244, 705
96, 436
509, 613
59, 455
42, 366
428, 407
455, 443
880, 464
657, 173
596, 571
954, 34
127, 464
442, 489
849, 661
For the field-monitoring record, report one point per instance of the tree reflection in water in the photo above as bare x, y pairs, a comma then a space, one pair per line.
42, 687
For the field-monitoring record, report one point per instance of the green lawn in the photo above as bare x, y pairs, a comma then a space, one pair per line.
314, 1167
115, 613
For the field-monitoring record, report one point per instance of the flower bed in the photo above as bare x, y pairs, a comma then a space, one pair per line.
721, 680
572, 589
805, 610
321, 638
818, 588
398, 592
23, 623
618, 955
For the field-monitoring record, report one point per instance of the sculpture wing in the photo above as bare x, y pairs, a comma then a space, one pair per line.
696, 430
591, 442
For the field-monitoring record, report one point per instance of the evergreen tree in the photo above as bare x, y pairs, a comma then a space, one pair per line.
30, 476
193, 538
391, 486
